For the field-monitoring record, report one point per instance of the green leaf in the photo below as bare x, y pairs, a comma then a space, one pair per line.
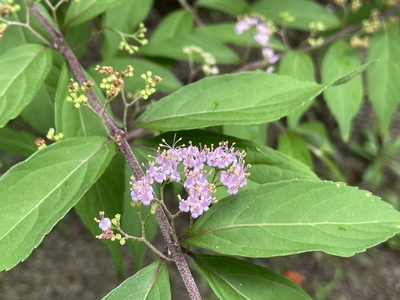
106, 194
23, 70
17, 142
267, 165
343, 100
151, 282
231, 7
168, 84
130, 220
85, 10
382, 77
37, 193
315, 134
295, 146
232, 278
297, 65
304, 12
295, 216
225, 33
177, 23
219, 100
172, 48
255, 132
125, 18
72, 121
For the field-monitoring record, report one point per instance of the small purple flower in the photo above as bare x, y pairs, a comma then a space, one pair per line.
104, 224
261, 38
222, 156
244, 25
270, 69
142, 191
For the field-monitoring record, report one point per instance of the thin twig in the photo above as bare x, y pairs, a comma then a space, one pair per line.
171, 242
190, 9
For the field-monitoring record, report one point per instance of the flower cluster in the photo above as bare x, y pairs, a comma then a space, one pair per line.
150, 84
54, 137
138, 36
78, 93
106, 225
193, 167
113, 84
208, 66
263, 32
9, 8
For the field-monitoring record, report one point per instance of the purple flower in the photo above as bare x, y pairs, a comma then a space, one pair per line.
244, 24
270, 55
104, 224
234, 177
261, 38
222, 156
142, 191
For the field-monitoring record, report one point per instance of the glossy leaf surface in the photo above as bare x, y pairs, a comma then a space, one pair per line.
37, 193
295, 216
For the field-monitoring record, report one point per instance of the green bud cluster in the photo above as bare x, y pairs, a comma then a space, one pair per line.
209, 61
138, 36
2, 29
373, 24
54, 137
114, 82
287, 17
78, 93
150, 84
9, 8
317, 26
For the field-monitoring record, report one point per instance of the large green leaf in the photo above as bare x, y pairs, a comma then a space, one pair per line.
225, 32
17, 142
295, 216
23, 70
150, 283
232, 278
168, 84
343, 100
267, 165
125, 18
383, 77
297, 65
242, 98
84, 10
304, 12
179, 22
231, 7
106, 194
173, 48
37, 193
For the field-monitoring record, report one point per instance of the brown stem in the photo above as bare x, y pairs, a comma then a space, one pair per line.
115, 133
190, 9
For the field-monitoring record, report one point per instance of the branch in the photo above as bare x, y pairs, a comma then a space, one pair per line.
116, 134
190, 9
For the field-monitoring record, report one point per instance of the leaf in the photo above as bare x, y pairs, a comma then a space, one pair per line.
168, 84
231, 7
315, 134
255, 132
23, 70
294, 145
130, 220
172, 48
125, 18
72, 121
267, 165
304, 12
382, 77
219, 100
85, 10
232, 278
151, 282
106, 194
37, 193
343, 100
178, 22
17, 142
297, 65
295, 216
225, 33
